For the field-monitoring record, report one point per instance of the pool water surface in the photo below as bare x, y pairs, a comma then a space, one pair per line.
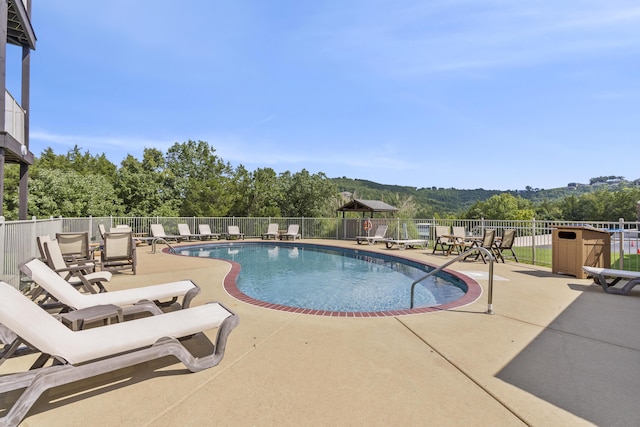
319, 279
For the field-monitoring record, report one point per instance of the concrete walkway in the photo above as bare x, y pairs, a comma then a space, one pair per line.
557, 352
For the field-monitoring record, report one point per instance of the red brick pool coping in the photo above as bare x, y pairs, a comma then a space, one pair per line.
474, 290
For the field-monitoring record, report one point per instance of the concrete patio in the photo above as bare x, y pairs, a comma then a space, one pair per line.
558, 351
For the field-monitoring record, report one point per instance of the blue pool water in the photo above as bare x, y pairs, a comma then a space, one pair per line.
332, 279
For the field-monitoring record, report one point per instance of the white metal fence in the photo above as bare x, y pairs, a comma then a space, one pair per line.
533, 242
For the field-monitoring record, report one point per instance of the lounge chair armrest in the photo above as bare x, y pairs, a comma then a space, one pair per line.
73, 269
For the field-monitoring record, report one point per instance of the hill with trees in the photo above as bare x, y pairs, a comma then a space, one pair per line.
190, 179
450, 202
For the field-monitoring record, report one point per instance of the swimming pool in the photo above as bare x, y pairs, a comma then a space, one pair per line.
327, 280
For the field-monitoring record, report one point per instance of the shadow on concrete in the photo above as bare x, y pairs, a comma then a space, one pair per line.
536, 273
587, 361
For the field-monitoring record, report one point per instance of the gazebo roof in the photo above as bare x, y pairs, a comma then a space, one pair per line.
370, 206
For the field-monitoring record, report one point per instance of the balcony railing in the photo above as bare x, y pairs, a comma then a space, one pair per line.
13, 118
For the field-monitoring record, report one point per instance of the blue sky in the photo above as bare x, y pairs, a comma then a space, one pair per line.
493, 94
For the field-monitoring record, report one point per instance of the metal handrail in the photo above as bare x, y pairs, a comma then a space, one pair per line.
463, 255
153, 244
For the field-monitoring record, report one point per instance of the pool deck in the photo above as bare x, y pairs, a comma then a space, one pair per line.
557, 352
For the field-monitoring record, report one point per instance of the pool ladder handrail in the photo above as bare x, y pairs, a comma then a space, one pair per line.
161, 239
461, 256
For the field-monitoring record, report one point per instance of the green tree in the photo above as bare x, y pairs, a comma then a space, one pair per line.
241, 186
588, 206
83, 163
625, 205
306, 195
200, 178
502, 207
255, 194
141, 186
11, 193
548, 210
69, 194
266, 193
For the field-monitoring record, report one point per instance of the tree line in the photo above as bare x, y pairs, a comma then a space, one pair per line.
188, 180
191, 180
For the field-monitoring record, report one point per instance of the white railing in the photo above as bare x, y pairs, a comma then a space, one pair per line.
533, 238
13, 118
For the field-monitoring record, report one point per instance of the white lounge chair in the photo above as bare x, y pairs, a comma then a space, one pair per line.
600, 275
91, 352
406, 242
146, 298
205, 232
185, 231
157, 231
233, 232
292, 232
377, 237
272, 231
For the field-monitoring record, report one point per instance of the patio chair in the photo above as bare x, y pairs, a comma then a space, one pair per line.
205, 232
233, 232
292, 232
600, 275
458, 237
272, 231
77, 274
119, 252
40, 240
131, 300
444, 241
487, 242
506, 244
75, 246
101, 230
78, 355
157, 232
377, 236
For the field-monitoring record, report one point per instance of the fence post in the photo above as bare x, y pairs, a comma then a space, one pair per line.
533, 241
34, 236
621, 227
3, 232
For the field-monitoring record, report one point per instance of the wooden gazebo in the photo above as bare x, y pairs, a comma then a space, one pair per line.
366, 206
